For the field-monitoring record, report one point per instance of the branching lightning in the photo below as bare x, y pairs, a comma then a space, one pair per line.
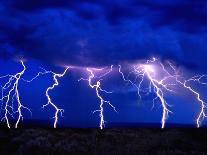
98, 88
158, 86
10, 91
145, 79
186, 84
147, 70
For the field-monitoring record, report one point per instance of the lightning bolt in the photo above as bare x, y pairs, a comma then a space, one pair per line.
143, 72
12, 92
186, 84
146, 70
98, 88
202, 114
55, 84
50, 102
160, 86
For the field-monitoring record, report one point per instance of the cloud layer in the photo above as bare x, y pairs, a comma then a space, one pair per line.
93, 32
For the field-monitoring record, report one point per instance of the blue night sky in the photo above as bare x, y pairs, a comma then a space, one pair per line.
94, 33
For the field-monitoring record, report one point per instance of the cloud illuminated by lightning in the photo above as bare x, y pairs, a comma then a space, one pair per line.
160, 85
159, 77
147, 70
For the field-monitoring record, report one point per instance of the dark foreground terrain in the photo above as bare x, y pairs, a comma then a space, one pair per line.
38, 141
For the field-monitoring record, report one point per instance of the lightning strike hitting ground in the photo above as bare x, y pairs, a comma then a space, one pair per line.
158, 85
186, 84
56, 83
143, 73
202, 113
147, 70
98, 89
9, 93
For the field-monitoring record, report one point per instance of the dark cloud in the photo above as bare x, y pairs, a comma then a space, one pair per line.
186, 15
35, 5
103, 32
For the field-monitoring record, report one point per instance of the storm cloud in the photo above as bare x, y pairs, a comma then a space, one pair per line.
85, 32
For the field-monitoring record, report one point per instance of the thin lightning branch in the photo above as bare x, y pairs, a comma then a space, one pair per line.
202, 113
186, 84
142, 72
97, 87
37, 76
12, 92
129, 81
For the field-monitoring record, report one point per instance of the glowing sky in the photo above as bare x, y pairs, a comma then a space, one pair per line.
85, 33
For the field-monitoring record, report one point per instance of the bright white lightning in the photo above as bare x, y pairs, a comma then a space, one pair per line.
98, 89
12, 92
148, 71
144, 71
50, 102
202, 114
159, 85
55, 84
186, 84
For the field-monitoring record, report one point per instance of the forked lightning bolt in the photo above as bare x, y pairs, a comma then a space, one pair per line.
144, 73
10, 91
146, 70
159, 86
186, 84
99, 89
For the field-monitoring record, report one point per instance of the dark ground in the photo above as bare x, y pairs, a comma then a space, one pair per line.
38, 141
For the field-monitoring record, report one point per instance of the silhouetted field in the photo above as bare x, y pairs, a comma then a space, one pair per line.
38, 141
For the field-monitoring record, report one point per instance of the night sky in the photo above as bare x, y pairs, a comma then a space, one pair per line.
94, 33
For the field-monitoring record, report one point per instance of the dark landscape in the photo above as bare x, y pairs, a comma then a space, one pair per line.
42, 140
